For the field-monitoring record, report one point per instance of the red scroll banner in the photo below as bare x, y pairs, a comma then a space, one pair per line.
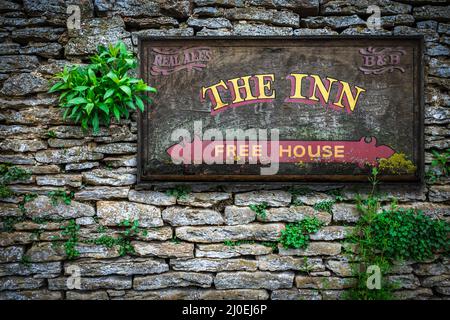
360, 152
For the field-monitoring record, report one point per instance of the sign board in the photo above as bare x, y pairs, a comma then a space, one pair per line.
282, 109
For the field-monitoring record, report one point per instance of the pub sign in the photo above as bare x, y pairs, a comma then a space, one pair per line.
282, 109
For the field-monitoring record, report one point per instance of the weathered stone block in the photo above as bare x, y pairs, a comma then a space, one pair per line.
164, 249
37, 270
213, 265
109, 177
439, 13
95, 295
211, 23
235, 215
117, 148
173, 279
295, 294
203, 199
182, 216
102, 193
334, 22
43, 294
314, 249
254, 231
332, 233
121, 266
70, 155
343, 212
242, 29
272, 198
283, 263
42, 207
19, 283
59, 180
11, 254
254, 280
294, 214
109, 282
323, 282
22, 145
24, 84
440, 193
96, 32
151, 197
112, 213
223, 251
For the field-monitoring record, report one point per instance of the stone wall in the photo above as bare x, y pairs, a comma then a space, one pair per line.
182, 255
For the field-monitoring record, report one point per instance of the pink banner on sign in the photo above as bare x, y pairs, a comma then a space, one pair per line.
360, 152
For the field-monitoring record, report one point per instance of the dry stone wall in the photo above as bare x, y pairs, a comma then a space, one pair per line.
182, 254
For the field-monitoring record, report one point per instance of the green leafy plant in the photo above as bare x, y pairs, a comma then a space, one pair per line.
337, 194
25, 260
175, 240
9, 222
391, 235
179, 192
440, 166
71, 232
61, 196
26, 198
92, 94
51, 134
407, 234
130, 230
8, 174
259, 209
324, 205
296, 235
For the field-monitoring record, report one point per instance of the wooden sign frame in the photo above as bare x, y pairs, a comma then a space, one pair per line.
144, 127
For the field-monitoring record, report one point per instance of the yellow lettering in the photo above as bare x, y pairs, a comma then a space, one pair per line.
348, 93
288, 150
297, 85
236, 89
339, 151
318, 84
263, 84
216, 99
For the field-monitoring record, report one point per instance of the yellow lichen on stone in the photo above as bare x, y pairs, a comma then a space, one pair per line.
396, 164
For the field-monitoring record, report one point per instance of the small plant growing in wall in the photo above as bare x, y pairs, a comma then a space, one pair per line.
180, 192
71, 232
324, 205
296, 235
61, 196
440, 166
393, 234
130, 231
92, 94
259, 209
8, 174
